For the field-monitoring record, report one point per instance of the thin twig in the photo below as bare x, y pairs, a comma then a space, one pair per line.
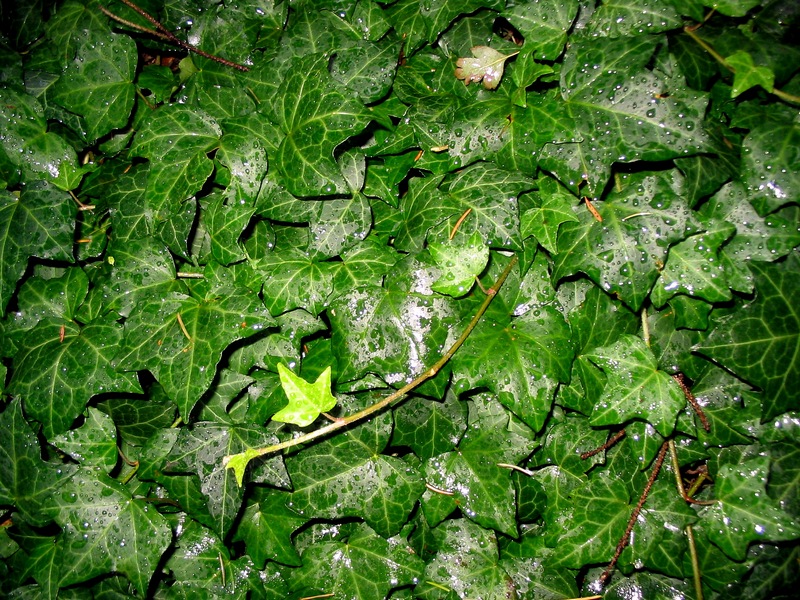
595, 213
721, 60
625, 540
698, 582
133, 25
397, 395
81, 205
679, 480
697, 483
165, 33
610, 442
679, 377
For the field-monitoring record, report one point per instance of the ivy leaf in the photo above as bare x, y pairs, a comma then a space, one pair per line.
466, 564
293, 279
460, 263
624, 252
29, 148
43, 297
768, 153
316, 118
136, 270
429, 428
543, 222
93, 444
475, 477
757, 238
365, 264
694, 267
491, 193
626, 121
176, 139
743, 512
635, 387
747, 75
486, 66
391, 333
544, 26
39, 215
105, 529
340, 224
306, 400
533, 363
180, 339
603, 507
266, 528
26, 481
626, 17
759, 341
421, 208
98, 83
365, 566
199, 561
77, 368
200, 450
227, 219
347, 476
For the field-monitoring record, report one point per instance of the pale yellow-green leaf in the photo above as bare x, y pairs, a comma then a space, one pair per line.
306, 400
487, 66
238, 462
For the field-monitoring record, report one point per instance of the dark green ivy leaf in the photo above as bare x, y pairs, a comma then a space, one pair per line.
315, 118
180, 339
266, 528
636, 388
60, 366
199, 450
26, 481
347, 476
759, 342
533, 362
38, 222
364, 566
176, 138
98, 83
743, 512
105, 529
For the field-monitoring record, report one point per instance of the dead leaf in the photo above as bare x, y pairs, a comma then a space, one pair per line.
487, 66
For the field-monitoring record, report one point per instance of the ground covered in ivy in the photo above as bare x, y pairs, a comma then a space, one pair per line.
206, 256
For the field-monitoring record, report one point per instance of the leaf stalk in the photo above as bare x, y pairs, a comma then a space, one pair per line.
388, 400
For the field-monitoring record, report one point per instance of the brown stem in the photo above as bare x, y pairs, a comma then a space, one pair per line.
681, 379
166, 34
625, 540
611, 441
679, 480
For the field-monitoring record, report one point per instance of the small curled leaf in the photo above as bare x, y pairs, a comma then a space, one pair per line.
487, 66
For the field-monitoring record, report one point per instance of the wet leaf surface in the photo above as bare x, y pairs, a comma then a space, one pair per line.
178, 233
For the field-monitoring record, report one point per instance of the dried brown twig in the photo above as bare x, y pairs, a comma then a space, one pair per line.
625, 540
163, 33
